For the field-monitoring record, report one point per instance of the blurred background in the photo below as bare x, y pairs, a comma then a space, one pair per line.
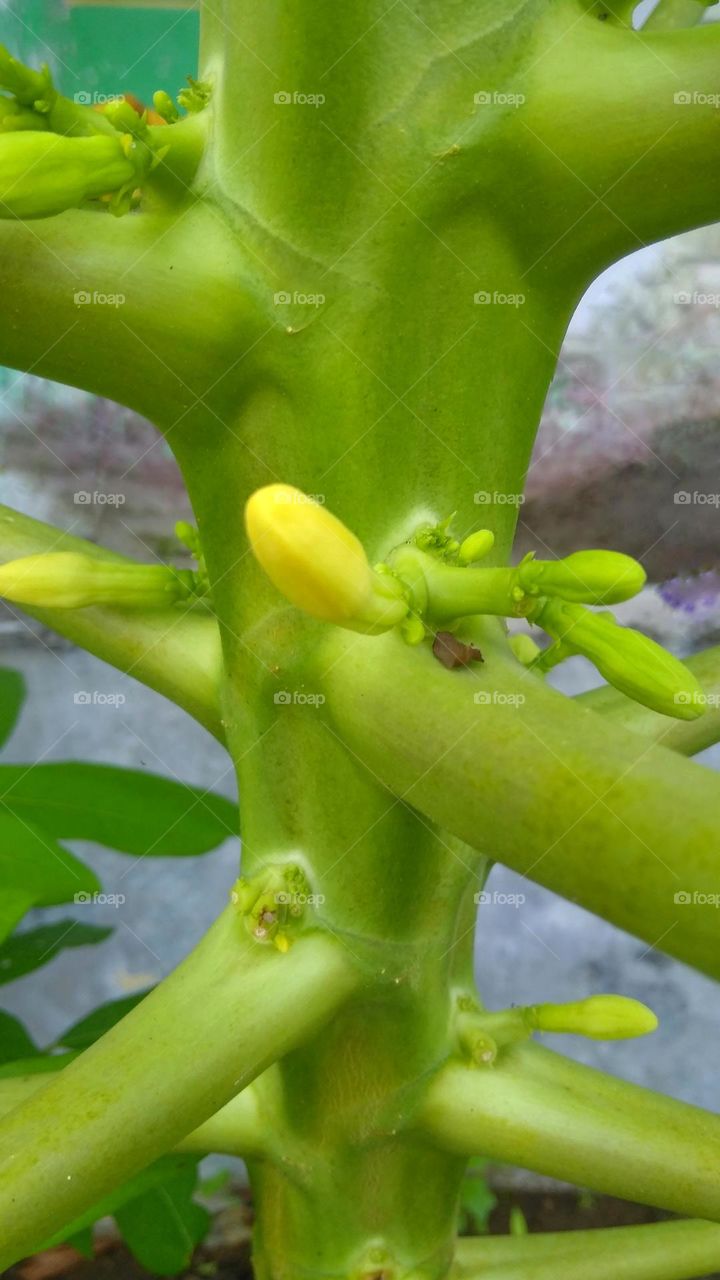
627, 457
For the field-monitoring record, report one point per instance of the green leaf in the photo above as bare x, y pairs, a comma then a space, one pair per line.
162, 1170
83, 1242
138, 813
91, 1028
12, 696
42, 1064
163, 1226
14, 1039
477, 1199
24, 952
35, 871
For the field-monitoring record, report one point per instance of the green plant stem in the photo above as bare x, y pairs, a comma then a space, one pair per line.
684, 736
174, 651
233, 1007
608, 129
544, 1112
143, 333
235, 1130
523, 774
657, 1251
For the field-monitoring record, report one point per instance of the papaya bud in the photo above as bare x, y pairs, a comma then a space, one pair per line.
71, 580
606, 1017
318, 564
590, 577
42, 174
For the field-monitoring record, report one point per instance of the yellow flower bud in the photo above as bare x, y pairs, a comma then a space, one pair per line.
318, 564
476, 546
604, 1017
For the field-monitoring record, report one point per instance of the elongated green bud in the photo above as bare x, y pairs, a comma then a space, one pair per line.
69, 580
42, 174
165, 106
318, 564
632, 662
606, 1017
592, 577
524, 648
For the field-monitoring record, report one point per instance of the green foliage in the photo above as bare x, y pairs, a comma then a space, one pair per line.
477, 1201
24, 952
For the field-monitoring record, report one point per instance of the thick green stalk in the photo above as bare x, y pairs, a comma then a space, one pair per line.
660, 1251
235, 1130
547, 1113
527, 776
174, 651
230, 1009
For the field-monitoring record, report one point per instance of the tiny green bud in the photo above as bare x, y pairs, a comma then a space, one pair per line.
42, 174
590, 577
165, 106
196, 97
70, 580
476, 546
524, 648
606, 1017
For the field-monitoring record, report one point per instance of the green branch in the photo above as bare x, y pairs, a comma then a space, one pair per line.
177, 653
684, 736
660, 1251
620, 122
532, 780
233, 1007
547, 1113
234, 1130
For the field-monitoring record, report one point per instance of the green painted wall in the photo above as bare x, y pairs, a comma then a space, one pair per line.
100, 50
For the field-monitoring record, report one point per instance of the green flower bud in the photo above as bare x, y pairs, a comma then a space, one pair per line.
524, 648
42, 174
165, 106
69, 580
598, 1017
476, 546
592, 577
632, 662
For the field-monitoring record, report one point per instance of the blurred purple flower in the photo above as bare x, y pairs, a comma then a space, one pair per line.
692, 595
